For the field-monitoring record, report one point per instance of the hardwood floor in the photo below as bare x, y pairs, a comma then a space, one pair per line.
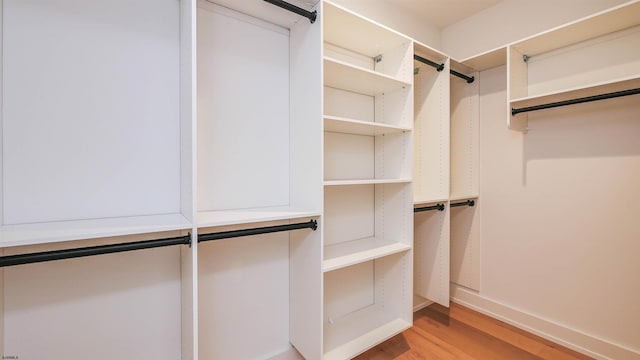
461, 333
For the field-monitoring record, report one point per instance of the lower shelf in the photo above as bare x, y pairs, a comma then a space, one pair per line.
356, 251
355, 333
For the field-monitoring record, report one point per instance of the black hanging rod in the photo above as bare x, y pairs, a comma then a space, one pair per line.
464, 203
469, 79
440, 67
515, 111
311, 15
90, 251
439, 207
311, 224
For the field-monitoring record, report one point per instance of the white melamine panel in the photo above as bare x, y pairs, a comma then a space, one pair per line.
39, 233
464, 138
348, 156
394, 212
349, 213
432, 256
465, 246
357, 127
98, 122
599, 60
431, 133
268, 12
366, 304
347, 290
305, 291
517, 80
605, 22
243, 111
306, 136
395, 108
350, 31
346, 104
220, 218
393, 156
98, 307
357, 251
342, 75
244, 297
487, 60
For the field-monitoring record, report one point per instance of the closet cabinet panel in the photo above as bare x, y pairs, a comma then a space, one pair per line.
258, 105
368, 115
97, 307
587, 58
92, 137
259, 165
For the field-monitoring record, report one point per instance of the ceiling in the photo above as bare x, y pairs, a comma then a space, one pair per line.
443, 13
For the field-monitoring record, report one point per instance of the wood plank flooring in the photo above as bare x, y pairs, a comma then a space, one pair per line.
439, 333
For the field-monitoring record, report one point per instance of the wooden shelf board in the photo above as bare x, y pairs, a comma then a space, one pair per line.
365, 182
358, 251
626, 83
52, 232
342, 75
605, 22
487, 60
359, 331
348, 30
247, 216
359, 127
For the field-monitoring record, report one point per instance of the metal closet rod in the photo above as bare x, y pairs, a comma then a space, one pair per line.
311, 15
439, 207
464, 203
90, 251
311, 224
440, 67
515, 111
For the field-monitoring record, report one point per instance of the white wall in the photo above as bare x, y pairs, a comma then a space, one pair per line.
395, 18
511, 20
559, 227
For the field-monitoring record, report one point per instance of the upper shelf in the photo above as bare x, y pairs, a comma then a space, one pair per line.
247, 216
359, 127
351, 31
487, 60
632, 82
40, 233
615, 19
342, 75
263, 10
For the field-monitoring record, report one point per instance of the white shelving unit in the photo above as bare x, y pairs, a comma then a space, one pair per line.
259, 149
97, 149
587, 57
368, 107
431, 178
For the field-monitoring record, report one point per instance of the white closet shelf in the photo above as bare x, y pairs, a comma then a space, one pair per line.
615, 19
342, 75
429, 201
359, 127
365, 182
356, 332
51, 232
247, 216
487, 60
463, 197
353, 252
615, 85
351, 31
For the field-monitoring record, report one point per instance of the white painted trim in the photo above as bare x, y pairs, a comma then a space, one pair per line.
572, 338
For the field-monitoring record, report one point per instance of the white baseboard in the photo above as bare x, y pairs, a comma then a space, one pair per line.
565, 336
